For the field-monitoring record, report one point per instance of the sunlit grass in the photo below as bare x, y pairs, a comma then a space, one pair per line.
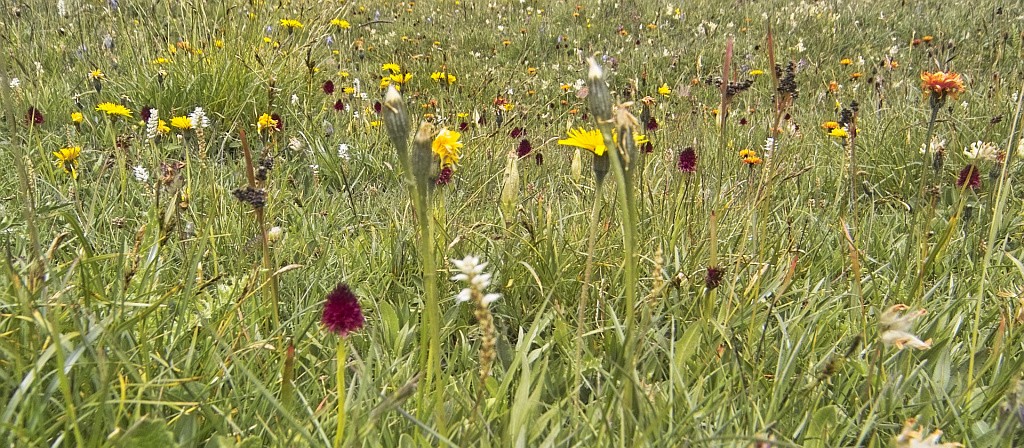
833, 286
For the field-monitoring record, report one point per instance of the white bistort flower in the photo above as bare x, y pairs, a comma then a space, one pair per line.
199, 119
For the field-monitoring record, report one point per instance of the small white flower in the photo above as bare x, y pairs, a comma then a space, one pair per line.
491, 297
769, 146
464, 295
14, 83
140, 173
295, 99
199, 119
62, 8
894, 50
937, 145
343, 151
152, 124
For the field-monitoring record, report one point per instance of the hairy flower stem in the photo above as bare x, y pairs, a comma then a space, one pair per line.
339, 432
268, 272
581, 311
430, 332
629, 220
921, 223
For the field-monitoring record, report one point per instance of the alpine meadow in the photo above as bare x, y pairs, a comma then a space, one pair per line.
512, 223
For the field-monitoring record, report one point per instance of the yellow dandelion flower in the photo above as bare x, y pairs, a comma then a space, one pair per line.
400, 78
97, 74
756, 72
829, 125
67, 158
181, 122
839, 133
218, 43
392, 67
113, 109
591, 140
664, 89
77, 117
443, 76
349, 90
846, 61
161, 60
341, 23
291, 24
446, 145
162, 128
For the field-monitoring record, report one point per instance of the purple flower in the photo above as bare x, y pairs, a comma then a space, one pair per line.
647, 147
651, 125
444, 177
34, 116
687, 160
714, 277
328, 87
146, 112
339, 106
280, 122
517, 132
969, 175
342, 314
524, 148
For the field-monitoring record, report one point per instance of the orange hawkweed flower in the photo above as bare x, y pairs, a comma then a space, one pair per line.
942, 84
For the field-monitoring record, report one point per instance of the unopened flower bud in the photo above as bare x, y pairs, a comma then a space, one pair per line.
396, 121
599, 98
422, 157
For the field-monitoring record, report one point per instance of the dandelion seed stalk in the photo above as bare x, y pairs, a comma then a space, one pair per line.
601, 107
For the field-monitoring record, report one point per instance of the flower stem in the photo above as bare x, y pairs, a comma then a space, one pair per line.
585, 288
339, 433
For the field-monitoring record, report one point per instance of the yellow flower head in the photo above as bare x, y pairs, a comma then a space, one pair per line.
97, 74
829, 125
161, 60
266, 122
756, 72
77, 117
161, 127
591, 140
443, 76
446, 145
846, 61
750, 157
291, 24
67, 158
838, 133
113, 109
664, 89
341, 23
181, 122
400, 78
391, 67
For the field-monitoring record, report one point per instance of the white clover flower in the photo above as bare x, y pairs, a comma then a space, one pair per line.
140, 173
980, 150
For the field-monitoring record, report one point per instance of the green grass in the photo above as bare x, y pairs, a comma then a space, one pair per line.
142, 311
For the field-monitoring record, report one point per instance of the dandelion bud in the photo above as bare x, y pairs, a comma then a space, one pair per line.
422, 158
396, 120
601, 167
599, 97
510, 188
577, 167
